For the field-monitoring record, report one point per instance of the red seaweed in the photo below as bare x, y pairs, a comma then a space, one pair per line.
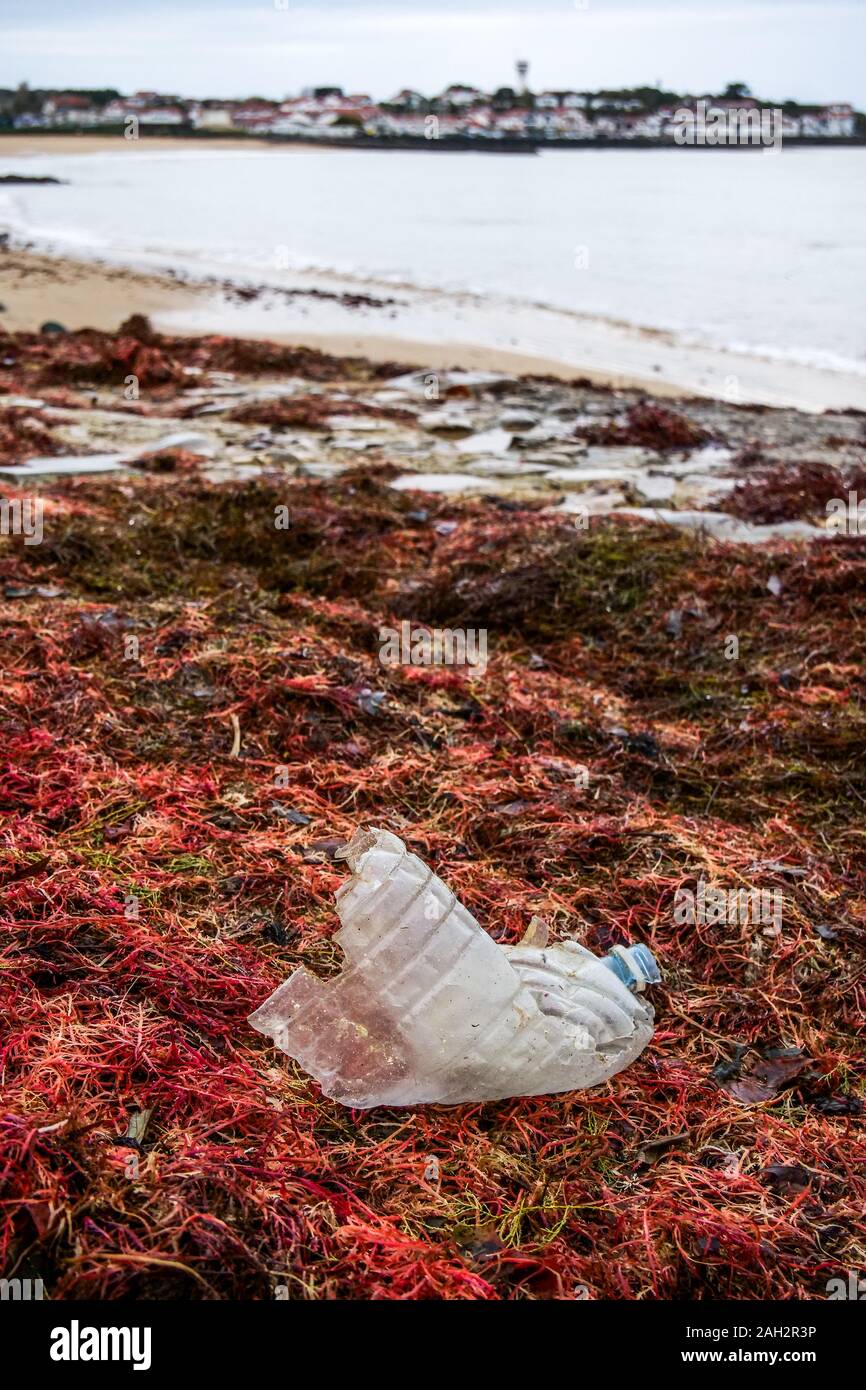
193, 719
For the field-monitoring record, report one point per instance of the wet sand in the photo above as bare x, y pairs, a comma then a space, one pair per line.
84, 294
34, 288
21, 145
421, 328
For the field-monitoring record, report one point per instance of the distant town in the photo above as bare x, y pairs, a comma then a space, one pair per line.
461, 112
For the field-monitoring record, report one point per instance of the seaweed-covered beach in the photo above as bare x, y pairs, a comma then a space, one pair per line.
195, 719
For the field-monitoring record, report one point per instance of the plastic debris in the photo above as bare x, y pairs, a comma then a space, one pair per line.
64, 465
430, 1009
432, 1171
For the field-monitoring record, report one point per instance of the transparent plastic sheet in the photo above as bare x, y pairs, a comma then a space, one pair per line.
430, 1009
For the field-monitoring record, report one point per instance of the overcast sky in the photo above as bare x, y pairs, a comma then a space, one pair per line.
810, 49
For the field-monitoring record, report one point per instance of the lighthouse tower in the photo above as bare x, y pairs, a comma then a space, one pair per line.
522, 68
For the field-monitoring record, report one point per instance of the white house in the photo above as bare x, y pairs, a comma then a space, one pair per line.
839, 119
69, 110
408, 100
513, 122
647, 127
575, 124
250, 115
559, 101
461, 96
162, 115
615, 103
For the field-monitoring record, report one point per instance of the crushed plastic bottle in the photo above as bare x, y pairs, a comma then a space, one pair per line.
430, 1009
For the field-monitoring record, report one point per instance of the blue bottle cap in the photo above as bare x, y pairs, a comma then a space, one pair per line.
634, 965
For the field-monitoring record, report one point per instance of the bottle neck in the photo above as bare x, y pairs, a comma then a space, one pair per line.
634, 965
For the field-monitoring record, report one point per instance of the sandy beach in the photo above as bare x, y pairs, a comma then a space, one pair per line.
84, 294
34, 288
23, 146
427, 330
383, 256
88, 294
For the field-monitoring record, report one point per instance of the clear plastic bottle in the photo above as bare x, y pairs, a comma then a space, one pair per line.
430, 1009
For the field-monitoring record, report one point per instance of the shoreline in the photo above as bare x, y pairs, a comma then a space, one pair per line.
53, 142
35, 287
423, 328
80, 294
91, 281
90, 295
23, 145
